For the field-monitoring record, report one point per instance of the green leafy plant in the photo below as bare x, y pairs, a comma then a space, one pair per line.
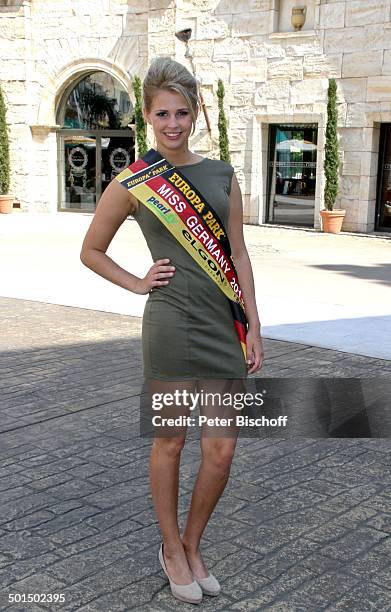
331, 160
4, 149
141, 129
222, 124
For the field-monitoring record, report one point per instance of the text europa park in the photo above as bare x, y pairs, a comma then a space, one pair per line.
197, 203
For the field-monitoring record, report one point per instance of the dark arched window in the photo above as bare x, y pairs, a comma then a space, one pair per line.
98, 101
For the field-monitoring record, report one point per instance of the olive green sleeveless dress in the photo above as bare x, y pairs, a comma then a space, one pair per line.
187, 327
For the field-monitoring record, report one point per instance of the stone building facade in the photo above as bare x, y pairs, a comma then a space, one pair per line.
55, 54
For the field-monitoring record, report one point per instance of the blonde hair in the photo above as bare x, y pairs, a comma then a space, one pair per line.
166, 73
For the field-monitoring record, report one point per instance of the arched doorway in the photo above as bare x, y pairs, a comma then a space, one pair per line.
96, 139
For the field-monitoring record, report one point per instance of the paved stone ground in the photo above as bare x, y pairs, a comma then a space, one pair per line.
303, 524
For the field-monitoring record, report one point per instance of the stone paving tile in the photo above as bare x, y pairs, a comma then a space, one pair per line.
304, 524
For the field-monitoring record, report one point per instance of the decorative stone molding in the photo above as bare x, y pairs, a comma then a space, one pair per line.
300, 34
43, 130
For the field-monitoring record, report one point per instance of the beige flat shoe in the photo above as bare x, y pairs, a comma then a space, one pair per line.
209, 585
189, 593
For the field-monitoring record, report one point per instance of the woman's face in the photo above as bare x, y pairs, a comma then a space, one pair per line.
171, 120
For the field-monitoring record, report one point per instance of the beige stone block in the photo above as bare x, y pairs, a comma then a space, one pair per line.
88, 46
351, 139
278, 111
211, 27
12, 28
352, 90
162, 21
386, 68
160, 45
191, 6
250, 24
234, 49
239, 95
11, 49
152, 5
304, 47
244, 6
272, 91
362, 64
341, 111
370, 138
210, 72
359, 13
202, 50
369, 163
239, 117
379, 89
332, 15
347, 40
13, 70
125, 53
14, 92
361, 114
237, 137
143, 45
309, 91
349, 186
351, 164
253, 70
124, 7
260, 48
106, 46
287, 68
21, 113
367, 187
321, 66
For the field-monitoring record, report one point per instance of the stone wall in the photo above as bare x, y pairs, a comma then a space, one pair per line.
269, 75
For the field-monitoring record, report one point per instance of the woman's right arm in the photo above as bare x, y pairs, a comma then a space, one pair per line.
115, 205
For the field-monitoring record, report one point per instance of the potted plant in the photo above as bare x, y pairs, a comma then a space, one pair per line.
6, 200
331, 219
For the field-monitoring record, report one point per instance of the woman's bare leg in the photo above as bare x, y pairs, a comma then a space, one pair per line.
218, 447
164, 480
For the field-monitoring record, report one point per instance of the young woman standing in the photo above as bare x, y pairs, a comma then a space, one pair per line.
189, 338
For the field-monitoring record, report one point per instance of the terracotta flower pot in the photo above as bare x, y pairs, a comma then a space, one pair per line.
332, 220
6, 203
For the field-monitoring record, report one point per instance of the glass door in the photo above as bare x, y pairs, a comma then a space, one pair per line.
383, 206
292, 174
117, 153
88, 162
79, 171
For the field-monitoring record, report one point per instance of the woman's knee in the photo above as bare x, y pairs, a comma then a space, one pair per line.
218, 452
170, 447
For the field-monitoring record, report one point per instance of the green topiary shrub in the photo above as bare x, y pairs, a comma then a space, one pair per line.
4, 149
222, 124
141, 128
331, 160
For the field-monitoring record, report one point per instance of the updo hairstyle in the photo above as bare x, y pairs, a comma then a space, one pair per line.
166, 73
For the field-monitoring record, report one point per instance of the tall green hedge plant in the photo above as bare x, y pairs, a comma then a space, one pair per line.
331, 160
141, 128
4, 149
222, 124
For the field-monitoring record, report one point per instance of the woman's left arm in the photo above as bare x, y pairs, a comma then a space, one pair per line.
255, 352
